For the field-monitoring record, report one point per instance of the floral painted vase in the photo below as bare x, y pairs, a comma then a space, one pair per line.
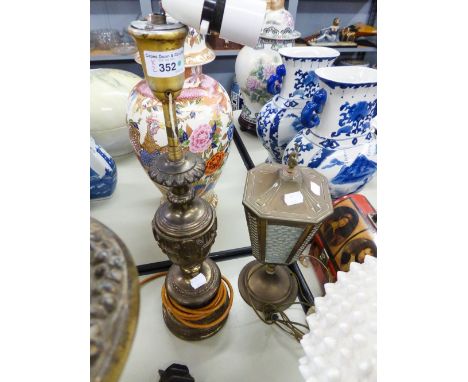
342, 145
204, 118
286, 113
103, 177
255, 66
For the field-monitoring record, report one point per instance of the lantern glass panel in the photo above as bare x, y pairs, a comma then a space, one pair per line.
252, 223
280, 241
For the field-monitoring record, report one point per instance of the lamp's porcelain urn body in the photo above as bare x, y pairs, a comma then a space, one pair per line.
204, 118
343, 144
294, 85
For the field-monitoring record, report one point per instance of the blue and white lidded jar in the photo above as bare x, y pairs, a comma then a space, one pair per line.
343, 145
103, 172
294, 85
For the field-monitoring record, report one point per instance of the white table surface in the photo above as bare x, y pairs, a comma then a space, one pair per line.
245, 349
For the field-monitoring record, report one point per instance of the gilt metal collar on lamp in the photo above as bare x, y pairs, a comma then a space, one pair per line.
195, 300
284, 207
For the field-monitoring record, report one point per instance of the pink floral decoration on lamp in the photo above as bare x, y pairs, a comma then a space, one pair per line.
200, 139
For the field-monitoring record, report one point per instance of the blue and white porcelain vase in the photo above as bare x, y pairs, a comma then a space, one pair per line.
103, 172
286, 113
343, 145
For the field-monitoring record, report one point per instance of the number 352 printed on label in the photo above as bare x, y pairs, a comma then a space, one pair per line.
164, 64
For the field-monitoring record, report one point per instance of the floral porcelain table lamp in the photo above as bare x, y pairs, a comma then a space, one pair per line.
194, 297
204, 123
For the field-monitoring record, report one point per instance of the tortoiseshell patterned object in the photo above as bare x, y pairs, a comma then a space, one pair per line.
347, 236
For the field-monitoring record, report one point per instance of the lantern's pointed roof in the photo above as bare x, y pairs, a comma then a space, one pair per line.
299, 194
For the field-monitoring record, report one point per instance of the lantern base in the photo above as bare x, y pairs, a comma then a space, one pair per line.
267, 291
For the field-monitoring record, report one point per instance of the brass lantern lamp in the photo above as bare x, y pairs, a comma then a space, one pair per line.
284, 207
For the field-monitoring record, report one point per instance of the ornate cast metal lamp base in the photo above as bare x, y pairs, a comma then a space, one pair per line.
211, 197
185, 225
191, 334
267, 286
184, 294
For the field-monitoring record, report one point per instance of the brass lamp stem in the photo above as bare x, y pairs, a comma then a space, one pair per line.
160, 45
270, 269
174, 151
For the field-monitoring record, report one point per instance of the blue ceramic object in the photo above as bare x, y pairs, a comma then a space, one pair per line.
343, 145
236, 96
296, 100
103, 172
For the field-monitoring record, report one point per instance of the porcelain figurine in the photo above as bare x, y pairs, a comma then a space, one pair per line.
204, 117
342, 145
109, 94
330, 34
294, 84
255, 66
103, 172
279, 23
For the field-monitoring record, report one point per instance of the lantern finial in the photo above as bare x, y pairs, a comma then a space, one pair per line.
292, 161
